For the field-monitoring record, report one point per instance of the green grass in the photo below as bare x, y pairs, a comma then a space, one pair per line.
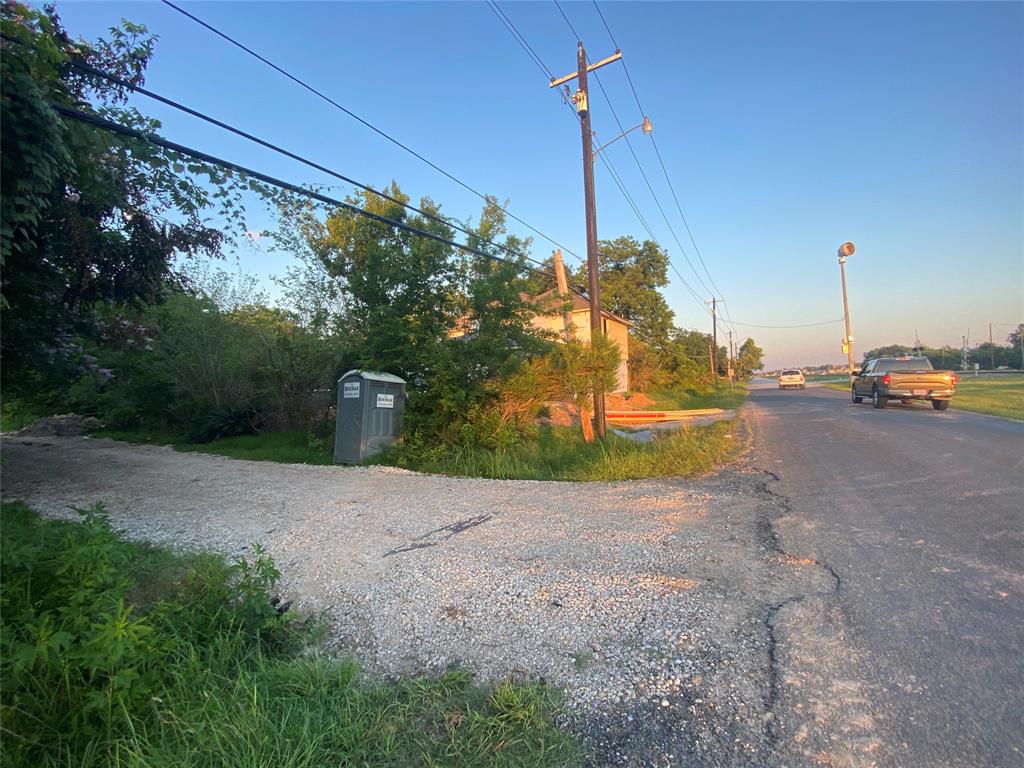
1001, 395
14, 415
723, 397
294, 447
554, 453
119, 653
559, 453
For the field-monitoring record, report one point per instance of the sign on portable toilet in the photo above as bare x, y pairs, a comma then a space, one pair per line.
371, 408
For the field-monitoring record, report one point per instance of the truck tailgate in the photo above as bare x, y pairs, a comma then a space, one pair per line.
920, 380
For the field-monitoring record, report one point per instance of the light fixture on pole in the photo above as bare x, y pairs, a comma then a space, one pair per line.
846, 250
645, 125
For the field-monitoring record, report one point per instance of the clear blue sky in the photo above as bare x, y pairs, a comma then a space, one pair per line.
787, 128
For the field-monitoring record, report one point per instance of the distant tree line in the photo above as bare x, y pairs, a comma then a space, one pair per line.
987, 355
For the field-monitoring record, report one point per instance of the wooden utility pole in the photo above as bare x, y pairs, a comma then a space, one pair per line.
582, 101
714, 335
991, 347
731, 356
563, 290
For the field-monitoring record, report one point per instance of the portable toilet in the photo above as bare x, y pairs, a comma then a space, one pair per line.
371, 407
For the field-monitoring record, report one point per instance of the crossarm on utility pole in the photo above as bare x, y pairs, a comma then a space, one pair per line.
596, 65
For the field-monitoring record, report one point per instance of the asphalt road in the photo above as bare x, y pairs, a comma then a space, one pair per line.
916, 658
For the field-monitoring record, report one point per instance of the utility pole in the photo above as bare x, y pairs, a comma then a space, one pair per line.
563, 290
714, 335
731, 356
991, 347
963, 353
845, 250
582, 101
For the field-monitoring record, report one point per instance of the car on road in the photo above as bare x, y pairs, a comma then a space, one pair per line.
904, 379
792, 378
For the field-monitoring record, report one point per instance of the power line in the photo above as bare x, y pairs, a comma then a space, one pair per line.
622, 186
571, 27
99, 122
520, 38
803, 325
661, 162
366, 123
280, 150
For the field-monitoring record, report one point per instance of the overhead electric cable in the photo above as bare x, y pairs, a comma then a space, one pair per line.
366, 123
783, 327
100, 122
571, 27
520, 38
661, 162
280, 150
622, 186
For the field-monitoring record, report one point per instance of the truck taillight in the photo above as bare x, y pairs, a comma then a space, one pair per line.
887, 379
954, 379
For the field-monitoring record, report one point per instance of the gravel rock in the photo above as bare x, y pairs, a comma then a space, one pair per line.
645, 602
65, 425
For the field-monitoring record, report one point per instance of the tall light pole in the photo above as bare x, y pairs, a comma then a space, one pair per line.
846, 250
582, 101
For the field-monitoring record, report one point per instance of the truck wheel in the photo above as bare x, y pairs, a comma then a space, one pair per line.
940, 405
856, 398
877, 399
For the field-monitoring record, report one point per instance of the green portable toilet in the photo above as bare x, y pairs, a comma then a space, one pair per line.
371, 407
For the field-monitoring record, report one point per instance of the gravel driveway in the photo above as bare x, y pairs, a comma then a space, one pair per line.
648, 603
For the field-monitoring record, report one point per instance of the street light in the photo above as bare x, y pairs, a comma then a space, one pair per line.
845, 250
645, 125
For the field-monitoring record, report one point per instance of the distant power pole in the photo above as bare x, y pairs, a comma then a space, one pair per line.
582, 101
714, 334
991, 347
732, 355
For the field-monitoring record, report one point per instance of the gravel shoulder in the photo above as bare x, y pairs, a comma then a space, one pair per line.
648, 603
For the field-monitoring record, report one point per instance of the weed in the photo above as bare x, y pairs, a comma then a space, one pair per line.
119, 653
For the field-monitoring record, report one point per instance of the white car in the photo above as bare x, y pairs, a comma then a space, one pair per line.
792, 378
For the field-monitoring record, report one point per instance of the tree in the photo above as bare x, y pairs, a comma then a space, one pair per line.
89, 218
749, 358
580, 369
631, 275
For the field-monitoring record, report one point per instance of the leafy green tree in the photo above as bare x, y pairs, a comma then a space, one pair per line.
632, 274
580, 368
749, 358
88, 218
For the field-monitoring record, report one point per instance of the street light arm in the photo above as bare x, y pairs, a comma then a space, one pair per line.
646, 125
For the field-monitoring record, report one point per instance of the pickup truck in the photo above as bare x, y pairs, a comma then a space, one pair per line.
905, 379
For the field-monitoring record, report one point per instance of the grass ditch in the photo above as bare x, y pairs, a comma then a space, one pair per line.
559, 453
1002, 396
549, 453
120, 653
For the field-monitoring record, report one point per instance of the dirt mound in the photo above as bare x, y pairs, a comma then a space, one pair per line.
635, 401
65, 425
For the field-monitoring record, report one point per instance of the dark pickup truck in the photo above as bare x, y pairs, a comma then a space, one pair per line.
905, 379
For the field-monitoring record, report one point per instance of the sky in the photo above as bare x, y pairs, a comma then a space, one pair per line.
785, 128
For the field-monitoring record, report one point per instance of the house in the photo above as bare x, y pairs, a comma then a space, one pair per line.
568, 319
576, 320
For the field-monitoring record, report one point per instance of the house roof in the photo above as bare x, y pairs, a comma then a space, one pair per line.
580, 303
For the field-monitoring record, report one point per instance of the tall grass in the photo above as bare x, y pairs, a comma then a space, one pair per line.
559, 453
117, 653
686, 399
